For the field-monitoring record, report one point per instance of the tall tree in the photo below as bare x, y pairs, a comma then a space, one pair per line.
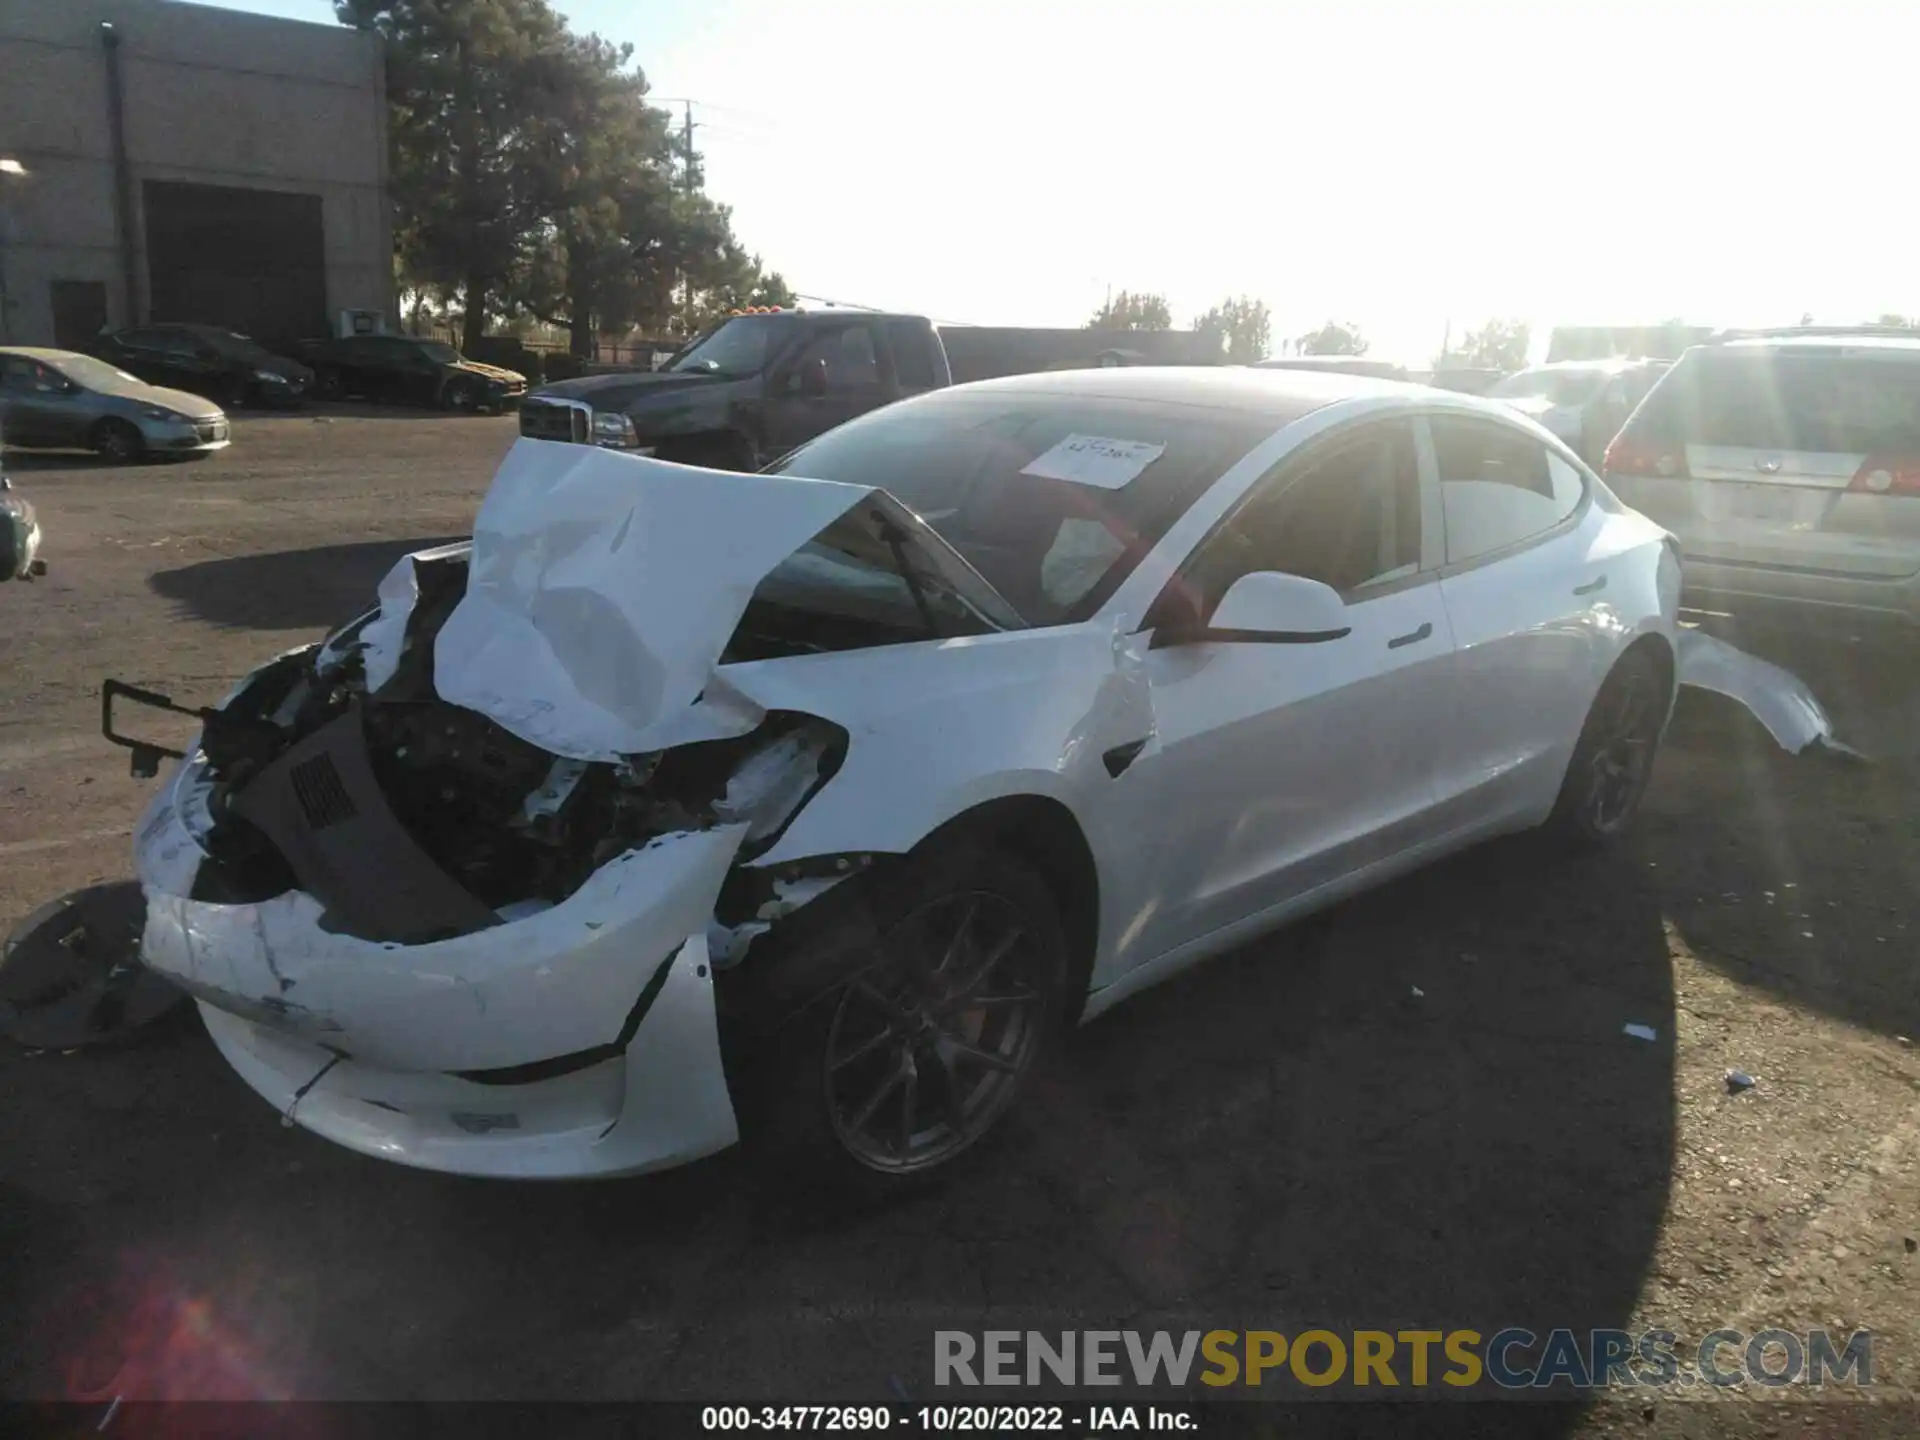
1238, 331
532, 178
1333, 338
471, 86
1496, 345
1128, 311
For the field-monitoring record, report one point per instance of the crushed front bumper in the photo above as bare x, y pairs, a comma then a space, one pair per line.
580, 1040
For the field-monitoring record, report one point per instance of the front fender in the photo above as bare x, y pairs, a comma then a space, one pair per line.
940, 727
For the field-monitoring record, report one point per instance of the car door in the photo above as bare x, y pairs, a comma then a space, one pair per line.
44, 407
1280, 769
1526, 599
192, 364
21, 419
828, 379
361, 366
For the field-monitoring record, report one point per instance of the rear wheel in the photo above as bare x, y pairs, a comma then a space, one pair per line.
328, 383
958, 972
1613, 759
118, 442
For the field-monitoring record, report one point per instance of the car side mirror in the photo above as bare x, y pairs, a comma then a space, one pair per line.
1269, 607
813, 378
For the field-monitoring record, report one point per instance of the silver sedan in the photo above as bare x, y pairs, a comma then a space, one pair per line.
60, 400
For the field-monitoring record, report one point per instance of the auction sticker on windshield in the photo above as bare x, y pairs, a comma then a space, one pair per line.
1095, 460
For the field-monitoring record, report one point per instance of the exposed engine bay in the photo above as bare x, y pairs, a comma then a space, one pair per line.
411, 819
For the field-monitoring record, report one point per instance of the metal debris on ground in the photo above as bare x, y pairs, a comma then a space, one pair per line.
1642, 1032
1777, 698
1738, 1080
70, 973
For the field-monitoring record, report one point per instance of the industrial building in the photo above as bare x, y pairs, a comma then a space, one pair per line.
162, 161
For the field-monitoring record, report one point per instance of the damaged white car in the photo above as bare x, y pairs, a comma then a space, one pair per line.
813, 804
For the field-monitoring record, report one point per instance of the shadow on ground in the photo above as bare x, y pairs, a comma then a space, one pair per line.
1288, 1138
288, 589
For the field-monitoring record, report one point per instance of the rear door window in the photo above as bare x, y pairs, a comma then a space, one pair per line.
1823, 402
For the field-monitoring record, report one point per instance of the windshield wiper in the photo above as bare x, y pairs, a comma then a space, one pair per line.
896, 539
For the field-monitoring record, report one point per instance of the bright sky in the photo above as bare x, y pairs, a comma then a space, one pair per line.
1399, 164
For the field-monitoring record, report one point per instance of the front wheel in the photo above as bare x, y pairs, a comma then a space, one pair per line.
1613, 759
460, 397
118, 442
959, 970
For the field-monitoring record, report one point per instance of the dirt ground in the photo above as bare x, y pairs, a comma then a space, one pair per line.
1286, 1139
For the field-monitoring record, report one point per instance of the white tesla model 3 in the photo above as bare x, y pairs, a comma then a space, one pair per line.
812, 805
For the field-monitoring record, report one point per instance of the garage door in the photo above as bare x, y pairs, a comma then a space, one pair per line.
250, 260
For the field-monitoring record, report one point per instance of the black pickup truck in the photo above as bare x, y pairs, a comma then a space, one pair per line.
749, 389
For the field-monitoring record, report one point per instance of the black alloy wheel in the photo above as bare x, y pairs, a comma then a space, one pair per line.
1613, 760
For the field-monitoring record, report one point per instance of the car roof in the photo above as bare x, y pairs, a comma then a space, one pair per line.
1893, 345
1282, 394
41, 352
1608, 363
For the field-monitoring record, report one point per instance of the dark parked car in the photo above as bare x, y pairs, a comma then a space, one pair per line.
205, 360
406, 370
61, 400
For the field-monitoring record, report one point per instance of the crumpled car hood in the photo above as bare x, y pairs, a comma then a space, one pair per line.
603, 588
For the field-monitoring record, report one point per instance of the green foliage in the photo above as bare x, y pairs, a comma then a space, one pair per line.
1496, 345
532, 179
1237, 331
1333, 338
1128, 311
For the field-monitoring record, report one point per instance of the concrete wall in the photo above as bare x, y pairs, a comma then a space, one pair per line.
216, 97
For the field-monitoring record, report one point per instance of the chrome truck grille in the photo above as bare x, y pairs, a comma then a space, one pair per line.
547, 419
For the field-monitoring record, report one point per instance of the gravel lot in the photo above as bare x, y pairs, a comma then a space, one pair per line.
1286, 1139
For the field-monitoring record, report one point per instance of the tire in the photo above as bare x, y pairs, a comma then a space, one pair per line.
459, 397
117, 442
327, 384
882, 1079
1613, 759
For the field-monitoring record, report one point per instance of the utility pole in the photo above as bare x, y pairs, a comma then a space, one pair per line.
686, 311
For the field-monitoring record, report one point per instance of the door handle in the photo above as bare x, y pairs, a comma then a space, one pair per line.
1591, 586
1411, 638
